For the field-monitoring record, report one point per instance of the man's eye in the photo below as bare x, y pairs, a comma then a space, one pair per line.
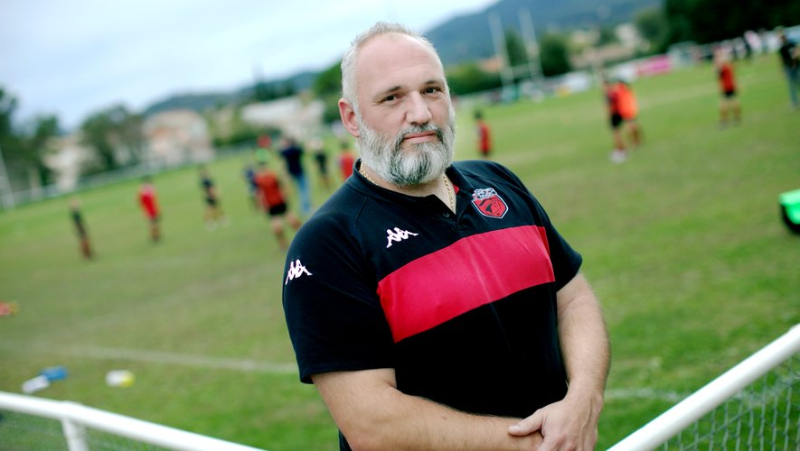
432, 90
390, 98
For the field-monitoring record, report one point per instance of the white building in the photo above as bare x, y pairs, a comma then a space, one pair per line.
177, 137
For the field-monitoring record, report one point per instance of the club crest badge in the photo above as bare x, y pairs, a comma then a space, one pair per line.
489, 203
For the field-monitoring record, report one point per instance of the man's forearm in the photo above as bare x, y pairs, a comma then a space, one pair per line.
389, 419
584, 341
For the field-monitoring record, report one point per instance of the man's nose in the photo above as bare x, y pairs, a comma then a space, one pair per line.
418, 112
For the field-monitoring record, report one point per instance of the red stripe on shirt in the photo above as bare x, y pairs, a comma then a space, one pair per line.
470, 273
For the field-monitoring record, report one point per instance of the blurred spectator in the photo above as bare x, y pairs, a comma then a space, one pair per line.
791, 66
292, 154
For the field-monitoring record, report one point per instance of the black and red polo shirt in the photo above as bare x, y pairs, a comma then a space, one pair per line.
462, 306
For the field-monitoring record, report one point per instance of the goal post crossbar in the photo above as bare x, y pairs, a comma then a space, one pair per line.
700, 403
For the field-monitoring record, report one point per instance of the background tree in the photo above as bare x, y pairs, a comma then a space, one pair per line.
328, 88
39, 144
468, 78
554, 54
706, 21
606, 35
8, 140
515, 48
653, 26
24, 148
265, 91
115, 134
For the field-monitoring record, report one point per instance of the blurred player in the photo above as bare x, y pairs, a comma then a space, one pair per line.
790, 59
292, 154
629, 110
80, 229
149, 204
262, 150
484, 135
727, 83
620, 153
346, 160
213, 213
274, 203
252, 188
321, 158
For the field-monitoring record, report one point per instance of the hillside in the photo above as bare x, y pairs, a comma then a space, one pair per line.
463, 38
204, 100
468, 37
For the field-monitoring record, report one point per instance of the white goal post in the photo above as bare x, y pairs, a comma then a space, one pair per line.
76, 418
722, 389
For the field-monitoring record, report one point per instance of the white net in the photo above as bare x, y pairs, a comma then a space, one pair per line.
23, 432
753, 406
763, 416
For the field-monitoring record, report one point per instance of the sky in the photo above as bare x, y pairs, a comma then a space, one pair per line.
76, 57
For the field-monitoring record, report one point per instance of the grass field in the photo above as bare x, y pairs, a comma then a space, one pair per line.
683, 245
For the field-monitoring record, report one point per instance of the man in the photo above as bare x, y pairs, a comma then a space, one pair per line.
213, 213
629, 110
149, 204
317, 147
272, 199
346, 160
292, 154
790, 59
80, 229
620, 153
729, 104
434, 306
252, 188
484, 138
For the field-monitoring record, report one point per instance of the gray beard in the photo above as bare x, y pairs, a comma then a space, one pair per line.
417, 164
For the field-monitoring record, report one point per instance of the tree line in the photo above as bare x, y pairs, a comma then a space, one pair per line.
708, 21
114, 134
116, 138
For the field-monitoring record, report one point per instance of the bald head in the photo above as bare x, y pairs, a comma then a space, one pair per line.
351, 57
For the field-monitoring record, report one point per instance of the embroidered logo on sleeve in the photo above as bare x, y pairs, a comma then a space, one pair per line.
489, 203
397, 235
296, 269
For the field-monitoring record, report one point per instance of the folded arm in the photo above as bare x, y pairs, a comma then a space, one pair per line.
572, 422
373, 414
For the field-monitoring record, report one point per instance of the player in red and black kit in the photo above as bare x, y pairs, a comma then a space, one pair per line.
729, 103
213, 214
271, 196
484, 135
80, 229
149, 204
613, 101
346, 161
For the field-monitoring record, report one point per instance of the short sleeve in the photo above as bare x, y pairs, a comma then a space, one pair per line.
332, 310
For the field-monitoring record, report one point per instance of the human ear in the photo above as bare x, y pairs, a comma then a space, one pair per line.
349, 119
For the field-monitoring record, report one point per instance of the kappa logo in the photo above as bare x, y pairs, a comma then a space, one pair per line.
296, 269
397, 235
489, 203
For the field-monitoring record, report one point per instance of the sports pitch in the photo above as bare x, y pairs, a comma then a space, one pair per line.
683, 244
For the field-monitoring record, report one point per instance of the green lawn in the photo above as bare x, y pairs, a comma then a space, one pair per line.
682, 243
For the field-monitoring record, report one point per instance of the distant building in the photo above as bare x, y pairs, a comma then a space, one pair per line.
294, 116
68, 160
177, 137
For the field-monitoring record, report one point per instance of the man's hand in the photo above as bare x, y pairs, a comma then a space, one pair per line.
565, 425
571, 424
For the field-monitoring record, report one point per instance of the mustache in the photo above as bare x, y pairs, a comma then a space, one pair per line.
419, 129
